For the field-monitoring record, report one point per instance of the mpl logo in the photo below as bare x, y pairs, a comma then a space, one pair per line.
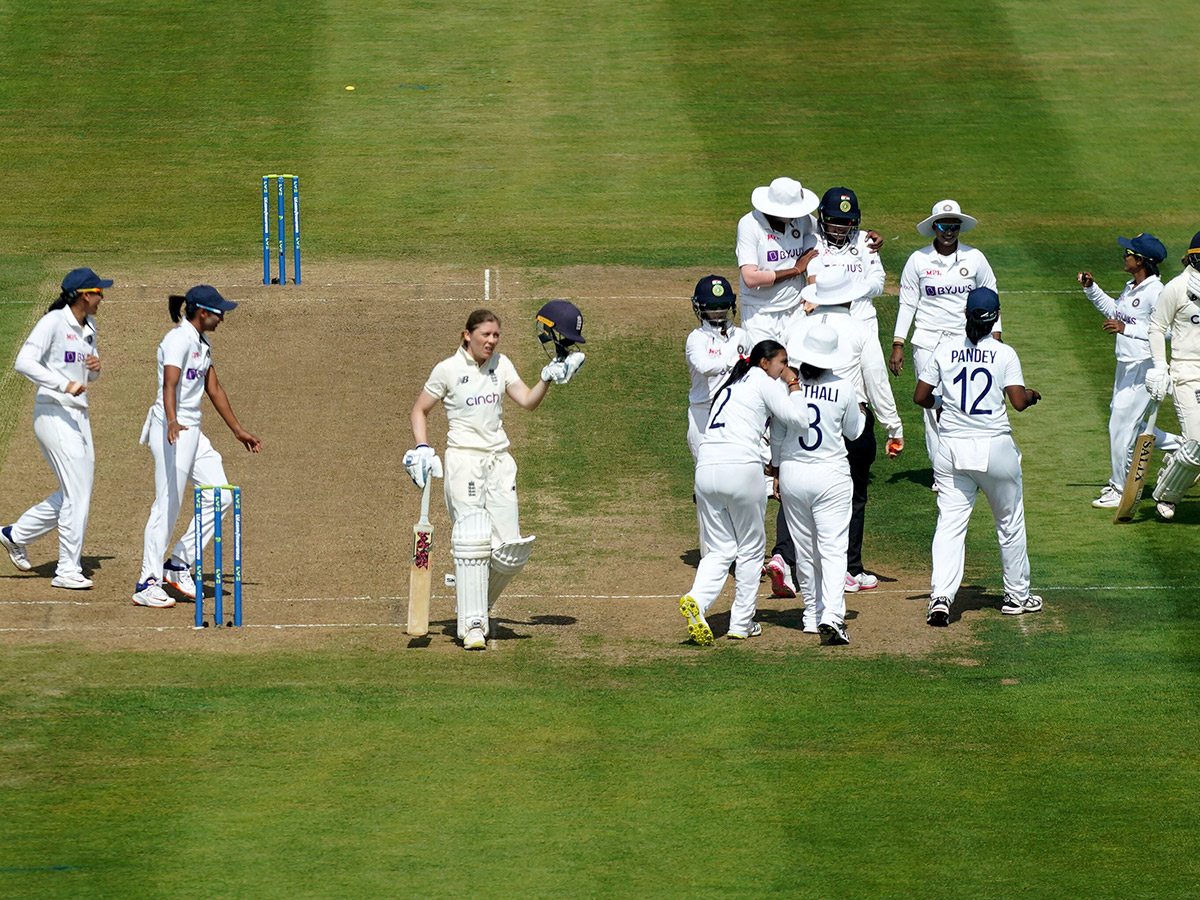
71, 336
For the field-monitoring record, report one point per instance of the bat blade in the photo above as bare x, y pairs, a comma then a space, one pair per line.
1135, 481
419, 573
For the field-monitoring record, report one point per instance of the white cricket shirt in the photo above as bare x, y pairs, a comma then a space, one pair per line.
758, 245
710, 356
1176, 313
473, 397
833, 416
740, 415
187, 350
971, 380
1133, 307
54, 354
933, 293
862, 264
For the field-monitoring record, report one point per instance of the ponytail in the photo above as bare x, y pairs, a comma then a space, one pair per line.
762, 350
66, 298
977, 331
175, 305
811, 373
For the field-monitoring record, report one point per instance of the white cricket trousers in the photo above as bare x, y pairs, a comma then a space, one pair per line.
191, 458
817, 504
732, 508
1128, 409
1001, 484
1186, 394
761, 326
481, 479
65, 436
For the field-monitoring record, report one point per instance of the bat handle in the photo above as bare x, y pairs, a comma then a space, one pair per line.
425, 502
1153, 417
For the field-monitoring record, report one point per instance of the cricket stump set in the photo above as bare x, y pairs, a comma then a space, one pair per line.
266, 218
218, 560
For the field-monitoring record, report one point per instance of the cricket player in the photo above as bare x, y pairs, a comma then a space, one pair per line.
1178, 312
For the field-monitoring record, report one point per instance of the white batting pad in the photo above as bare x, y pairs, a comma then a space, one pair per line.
507, 560
471, 545
1179, 474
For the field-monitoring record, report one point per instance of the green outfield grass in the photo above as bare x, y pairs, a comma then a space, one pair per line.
1043, 763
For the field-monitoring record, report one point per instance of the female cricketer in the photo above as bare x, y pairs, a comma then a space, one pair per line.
969, 378
933, 288
181, 451
814, 480
729, 486
1128, 319
480, 475
62, 356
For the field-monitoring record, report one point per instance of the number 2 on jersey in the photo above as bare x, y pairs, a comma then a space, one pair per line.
987, 386
713, 421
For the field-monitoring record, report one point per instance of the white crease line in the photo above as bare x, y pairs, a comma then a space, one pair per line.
45, 602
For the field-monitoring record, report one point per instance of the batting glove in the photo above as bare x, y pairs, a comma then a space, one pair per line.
554, 371
1158, 383
572, 364
419, 464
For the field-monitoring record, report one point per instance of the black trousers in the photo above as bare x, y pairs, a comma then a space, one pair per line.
860, 454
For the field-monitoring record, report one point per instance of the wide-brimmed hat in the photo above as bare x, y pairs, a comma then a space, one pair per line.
833, 285
785, 198
946, 209
819, 347
1146, 246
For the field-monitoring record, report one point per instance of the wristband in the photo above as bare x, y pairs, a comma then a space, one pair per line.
419, 446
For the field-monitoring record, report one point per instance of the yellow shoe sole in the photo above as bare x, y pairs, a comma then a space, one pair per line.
697, 626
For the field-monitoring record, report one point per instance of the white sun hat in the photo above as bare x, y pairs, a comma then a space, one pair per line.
784, 197
820, 346
834, 285
946, 209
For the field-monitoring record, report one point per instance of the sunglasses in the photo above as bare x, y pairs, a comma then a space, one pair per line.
215, 312
1129, 253
943, 227
91, 291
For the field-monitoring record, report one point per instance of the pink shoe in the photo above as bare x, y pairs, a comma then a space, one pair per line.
776, 569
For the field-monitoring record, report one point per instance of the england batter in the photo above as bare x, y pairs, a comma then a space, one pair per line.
933, 290
968, 377
180, 449
1178, 312
480, 483
1128, 319
62, 357
729, 486
814, 479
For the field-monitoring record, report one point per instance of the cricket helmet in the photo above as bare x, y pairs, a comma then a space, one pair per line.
714, 301
560, 323
838, 216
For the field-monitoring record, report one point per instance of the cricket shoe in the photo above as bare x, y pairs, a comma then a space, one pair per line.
1110, 498
808, 624
1165, 510
1014, 606
75, 581
475, 639
698, 626
834, 633
863, 581
754, 631
939, 612
179, 577
781, 579
16, 552
148, 593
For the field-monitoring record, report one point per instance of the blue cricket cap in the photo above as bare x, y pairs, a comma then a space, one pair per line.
84, 280
983, 305
206, 297
1145, 245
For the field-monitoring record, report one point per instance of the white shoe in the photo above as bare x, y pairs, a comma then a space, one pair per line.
834, 633
939, 612
781, 579
863, 581
1014, 606
755, 631
1110, 498
1165, 510
808, 625
475, 639
148, 593
180, 579
74, 582
16, 552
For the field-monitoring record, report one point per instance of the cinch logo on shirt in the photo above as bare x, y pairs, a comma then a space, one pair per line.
939, 290
481, 399
191, 374
72, 356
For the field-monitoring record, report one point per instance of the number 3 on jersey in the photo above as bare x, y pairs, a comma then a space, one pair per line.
987, 386
813, 429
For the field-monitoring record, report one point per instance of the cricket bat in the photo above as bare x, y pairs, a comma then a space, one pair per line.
418, 575
1135, 481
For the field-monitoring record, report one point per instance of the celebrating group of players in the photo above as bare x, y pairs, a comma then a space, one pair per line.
796, 390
